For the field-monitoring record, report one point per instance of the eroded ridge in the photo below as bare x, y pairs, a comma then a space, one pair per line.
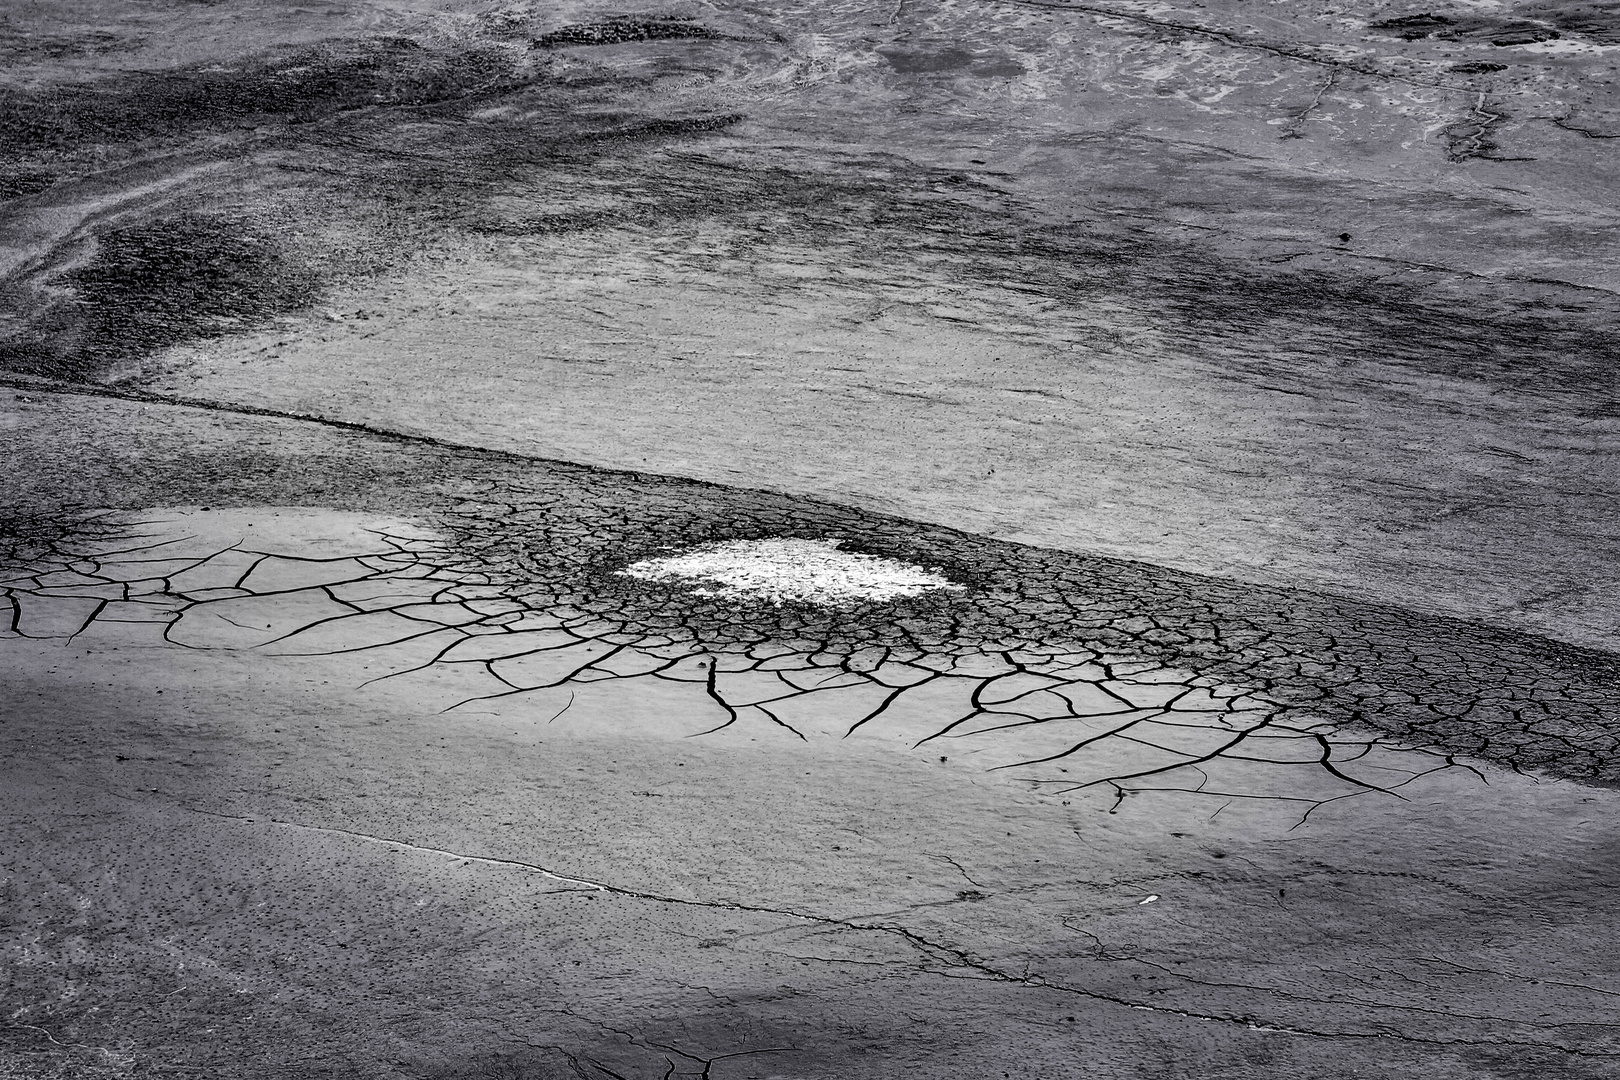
1010, 671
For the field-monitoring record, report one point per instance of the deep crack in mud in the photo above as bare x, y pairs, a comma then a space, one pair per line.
1063, 671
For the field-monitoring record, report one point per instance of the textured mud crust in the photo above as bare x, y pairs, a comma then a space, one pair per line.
297, 86
618, 31
1497, 31
1515, 699
147, 272
304, 179
1525, 24
162, 282
455, 799
1073, 671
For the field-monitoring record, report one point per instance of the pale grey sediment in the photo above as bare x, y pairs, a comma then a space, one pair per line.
1041, 658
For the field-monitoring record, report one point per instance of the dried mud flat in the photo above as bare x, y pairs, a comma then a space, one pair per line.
1241, 380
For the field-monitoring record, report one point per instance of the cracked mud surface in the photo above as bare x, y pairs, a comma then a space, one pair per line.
1248, 367
417, 785
1113, 674
1318, 297
408, 611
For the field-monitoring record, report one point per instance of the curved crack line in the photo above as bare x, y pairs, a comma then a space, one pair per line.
489, 668
1191, 761
466, 637
101, 606
1326, 762
778, 720
542, 686
1511, 975
1295, 128
251, 566
709, 688
1031, 721
958, 866
1083, 744
1102, 956
1160, 770
437, 658
1471, 138
708, 1063
101, 557
1130, 705
888, 700
114, 1057
836, 673
393, 842
1563, 124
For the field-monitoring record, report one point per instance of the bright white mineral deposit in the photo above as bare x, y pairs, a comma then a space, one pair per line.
786, 571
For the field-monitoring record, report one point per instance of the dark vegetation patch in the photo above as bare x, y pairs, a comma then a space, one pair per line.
54, 473
17, 46
1327, 321
640, 129
928, 62
299, 87
1497, 31
1477, 67
620, 31
1597, 22
158, 283
15, 183
997, 68
39, 533
1415, 27
1324, 321
921, 63
1519, 33
377, 129
1525, 25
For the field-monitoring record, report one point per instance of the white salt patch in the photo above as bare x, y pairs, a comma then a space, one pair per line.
1564, 45
784, 571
